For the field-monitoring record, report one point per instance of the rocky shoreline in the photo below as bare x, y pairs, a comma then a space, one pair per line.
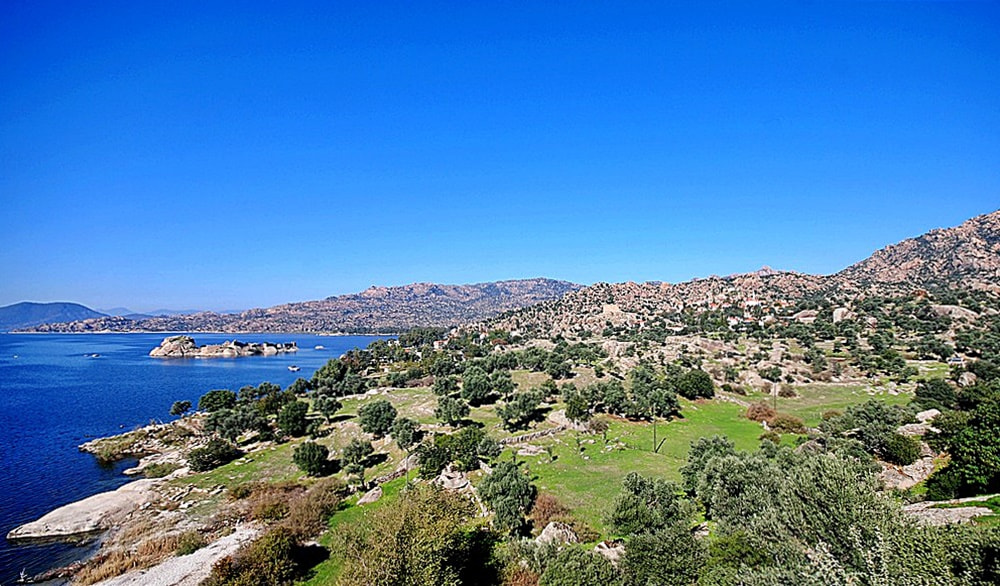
185, 347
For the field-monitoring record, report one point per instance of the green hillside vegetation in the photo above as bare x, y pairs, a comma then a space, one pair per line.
771, 484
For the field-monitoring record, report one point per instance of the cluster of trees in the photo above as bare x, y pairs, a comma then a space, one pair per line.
969, 431
649, 393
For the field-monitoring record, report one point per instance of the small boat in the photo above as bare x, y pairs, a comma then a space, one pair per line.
320, 347
294, 368
95, 355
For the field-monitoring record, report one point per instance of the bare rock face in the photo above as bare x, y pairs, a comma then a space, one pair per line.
929, 513
557, 533
185, 347
904, 477
842, 313
87, 516
613, 550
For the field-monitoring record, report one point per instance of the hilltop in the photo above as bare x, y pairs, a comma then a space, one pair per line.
27, 314
376, 309
963, 257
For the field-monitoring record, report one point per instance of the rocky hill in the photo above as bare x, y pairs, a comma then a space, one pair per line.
27, 314
966, 256
376, 309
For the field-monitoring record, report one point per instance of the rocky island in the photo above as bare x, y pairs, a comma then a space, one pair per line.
185, 347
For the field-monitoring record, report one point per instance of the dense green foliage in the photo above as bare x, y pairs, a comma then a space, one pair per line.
377, 417
292, 418
215, 453
312, 458
216, 400
509, 493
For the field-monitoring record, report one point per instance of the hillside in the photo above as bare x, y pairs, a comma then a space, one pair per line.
967, 255
27, 314
963, 257
376, 309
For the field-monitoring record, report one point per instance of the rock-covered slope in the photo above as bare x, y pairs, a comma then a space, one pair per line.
27, 314
966, 256
376, 309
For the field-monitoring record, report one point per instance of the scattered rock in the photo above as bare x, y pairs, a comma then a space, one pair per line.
967, 379
928, 513
927, 416
613, 550
530, 450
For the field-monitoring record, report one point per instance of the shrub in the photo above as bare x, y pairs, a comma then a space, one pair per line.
190, 542
267, 561
760, 412
785, 423
180, 407
573, 566
160, 469
787, 392
771, 436
312, 458
546, 509
901, 449
216, 453
695, 384
509, 492
309, 514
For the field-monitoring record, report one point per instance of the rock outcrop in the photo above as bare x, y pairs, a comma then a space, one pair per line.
88, 516
185, 347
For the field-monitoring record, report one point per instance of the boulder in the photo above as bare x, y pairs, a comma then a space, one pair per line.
842, 313
371, 496
613, 550
967, 379
927, 416
557, 533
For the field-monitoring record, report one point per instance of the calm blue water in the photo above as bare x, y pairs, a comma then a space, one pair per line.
53, 397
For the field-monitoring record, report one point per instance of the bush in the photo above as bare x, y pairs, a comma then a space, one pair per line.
269, 560
312, 458
216, 453
190, 542
771, 436
546, 509
787, 392
309, 514
695, 384
901, 449
159, 470
509, 492
785, 423
574, 566
180, 407
760, 412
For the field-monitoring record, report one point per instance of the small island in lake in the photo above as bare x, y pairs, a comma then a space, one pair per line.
185, 347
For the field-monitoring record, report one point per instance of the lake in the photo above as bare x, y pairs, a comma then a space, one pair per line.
56, 395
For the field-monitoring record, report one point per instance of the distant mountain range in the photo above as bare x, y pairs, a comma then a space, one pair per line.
376, 309
27, 314
966, 256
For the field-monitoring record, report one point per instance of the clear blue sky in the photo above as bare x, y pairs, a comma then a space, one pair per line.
230, 155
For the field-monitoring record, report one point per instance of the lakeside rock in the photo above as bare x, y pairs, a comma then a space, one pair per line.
88, 516
185, 347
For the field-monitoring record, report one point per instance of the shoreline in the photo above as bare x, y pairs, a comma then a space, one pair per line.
175, 332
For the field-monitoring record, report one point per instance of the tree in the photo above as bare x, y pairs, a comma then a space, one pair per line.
510, 494
445, 385
292, 418
703, 450
327, 407
695, 384
356, 452
577, 408
312, 458
376, 418
451, 410
648, 505
216, 400
476, 387
670, 557
180, 407
519, 410
215, 453
406, 432
232, 423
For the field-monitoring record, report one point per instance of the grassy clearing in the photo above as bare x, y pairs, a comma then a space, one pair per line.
587, 481
814, 399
